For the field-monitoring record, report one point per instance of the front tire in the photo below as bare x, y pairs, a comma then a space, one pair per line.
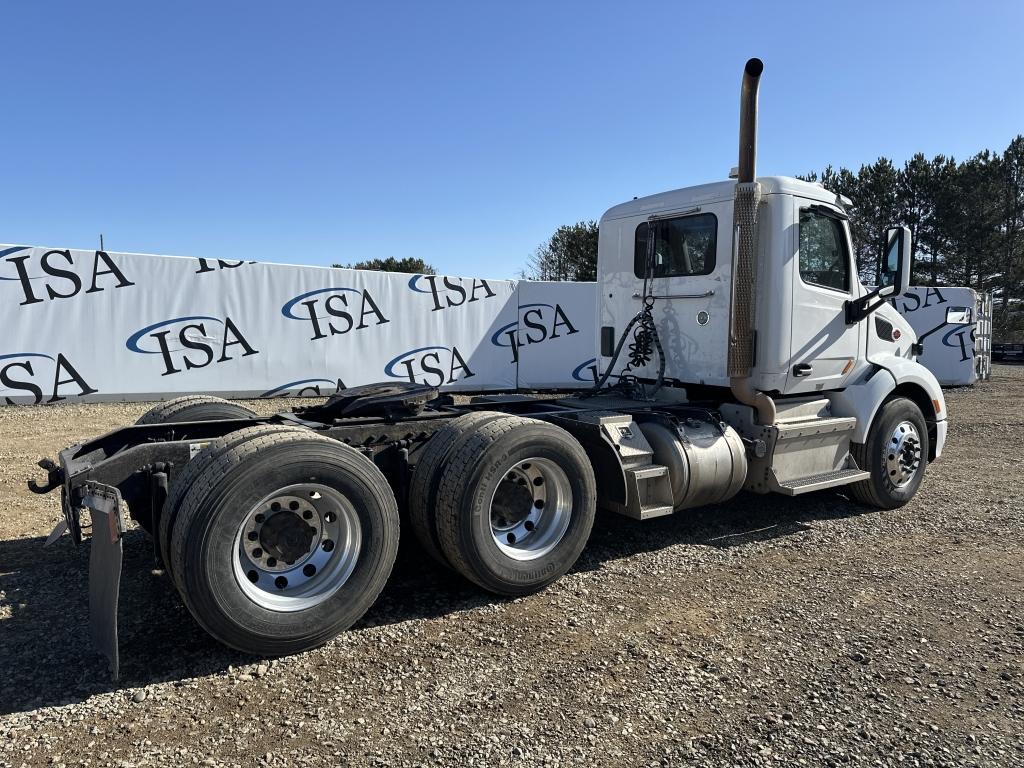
896, 455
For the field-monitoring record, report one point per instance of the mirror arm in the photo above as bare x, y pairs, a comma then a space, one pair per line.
918, 348
858, 309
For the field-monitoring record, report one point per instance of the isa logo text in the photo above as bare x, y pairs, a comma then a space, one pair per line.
36, 376
56, 275
536, 324
434, 366
335, 311
448, 292
190, 343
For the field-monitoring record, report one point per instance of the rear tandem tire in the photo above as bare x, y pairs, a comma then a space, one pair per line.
195, 408
516, 505
896, 455
426, 479
212, 538
184, 479
187, 408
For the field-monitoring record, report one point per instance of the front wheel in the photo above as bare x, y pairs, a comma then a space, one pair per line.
896, 454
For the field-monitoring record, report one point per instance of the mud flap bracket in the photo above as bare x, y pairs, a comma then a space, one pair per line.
104, 505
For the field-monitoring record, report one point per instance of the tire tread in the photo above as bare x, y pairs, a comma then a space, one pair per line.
424, 498
169, 411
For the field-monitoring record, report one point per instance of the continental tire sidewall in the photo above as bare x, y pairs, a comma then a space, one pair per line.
495, 570
210, 583
892, 413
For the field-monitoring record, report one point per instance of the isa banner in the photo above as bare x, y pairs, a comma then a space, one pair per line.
93, 325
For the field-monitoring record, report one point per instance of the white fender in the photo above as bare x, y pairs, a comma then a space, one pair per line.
863, 398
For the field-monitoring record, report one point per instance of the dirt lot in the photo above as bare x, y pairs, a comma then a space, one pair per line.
768, 631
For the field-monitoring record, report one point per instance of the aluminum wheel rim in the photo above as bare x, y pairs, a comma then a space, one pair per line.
296, 547
903, 454
530, 509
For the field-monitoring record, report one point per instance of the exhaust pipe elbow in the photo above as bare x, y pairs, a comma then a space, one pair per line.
743, 390
748, 120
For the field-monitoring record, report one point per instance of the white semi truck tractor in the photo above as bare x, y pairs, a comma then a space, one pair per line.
739, 352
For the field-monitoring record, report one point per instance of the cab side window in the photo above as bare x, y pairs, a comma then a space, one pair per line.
682, 246
824, 259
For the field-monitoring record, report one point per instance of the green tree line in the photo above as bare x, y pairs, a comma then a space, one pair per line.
408, 265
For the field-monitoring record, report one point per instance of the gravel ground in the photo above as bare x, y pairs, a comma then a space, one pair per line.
768, 631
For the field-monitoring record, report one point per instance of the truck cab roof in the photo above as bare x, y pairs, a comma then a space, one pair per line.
687, 197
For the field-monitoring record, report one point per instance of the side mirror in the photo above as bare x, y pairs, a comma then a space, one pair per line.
959, 316
895, 273
894, 277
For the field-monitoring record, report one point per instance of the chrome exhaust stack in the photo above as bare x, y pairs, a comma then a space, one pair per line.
748, 120
742, 315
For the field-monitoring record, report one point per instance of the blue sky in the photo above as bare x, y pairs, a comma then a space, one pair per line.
461, 133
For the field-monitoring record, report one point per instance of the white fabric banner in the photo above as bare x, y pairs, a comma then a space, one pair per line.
114, 326
557, 335
951, 352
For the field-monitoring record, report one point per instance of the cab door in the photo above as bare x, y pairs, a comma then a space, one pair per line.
688, 278
824, 349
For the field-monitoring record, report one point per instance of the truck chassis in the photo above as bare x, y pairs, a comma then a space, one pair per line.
390, 426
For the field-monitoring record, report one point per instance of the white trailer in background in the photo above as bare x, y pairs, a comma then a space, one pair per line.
958, 354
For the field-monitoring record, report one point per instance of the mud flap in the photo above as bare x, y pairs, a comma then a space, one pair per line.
104, 504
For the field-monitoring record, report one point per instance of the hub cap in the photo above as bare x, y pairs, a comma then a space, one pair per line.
297, 547
531, 509
903, 454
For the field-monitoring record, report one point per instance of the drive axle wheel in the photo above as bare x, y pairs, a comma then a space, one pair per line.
426, 478
183, 480
188, 408
896, 455
284, 541
297, 546
515, 505
531, 509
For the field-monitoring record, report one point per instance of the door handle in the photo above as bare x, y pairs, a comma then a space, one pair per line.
803, 369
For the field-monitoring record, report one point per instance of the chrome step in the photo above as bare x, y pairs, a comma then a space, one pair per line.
646, 513
650, 492
825, 480
801, 428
